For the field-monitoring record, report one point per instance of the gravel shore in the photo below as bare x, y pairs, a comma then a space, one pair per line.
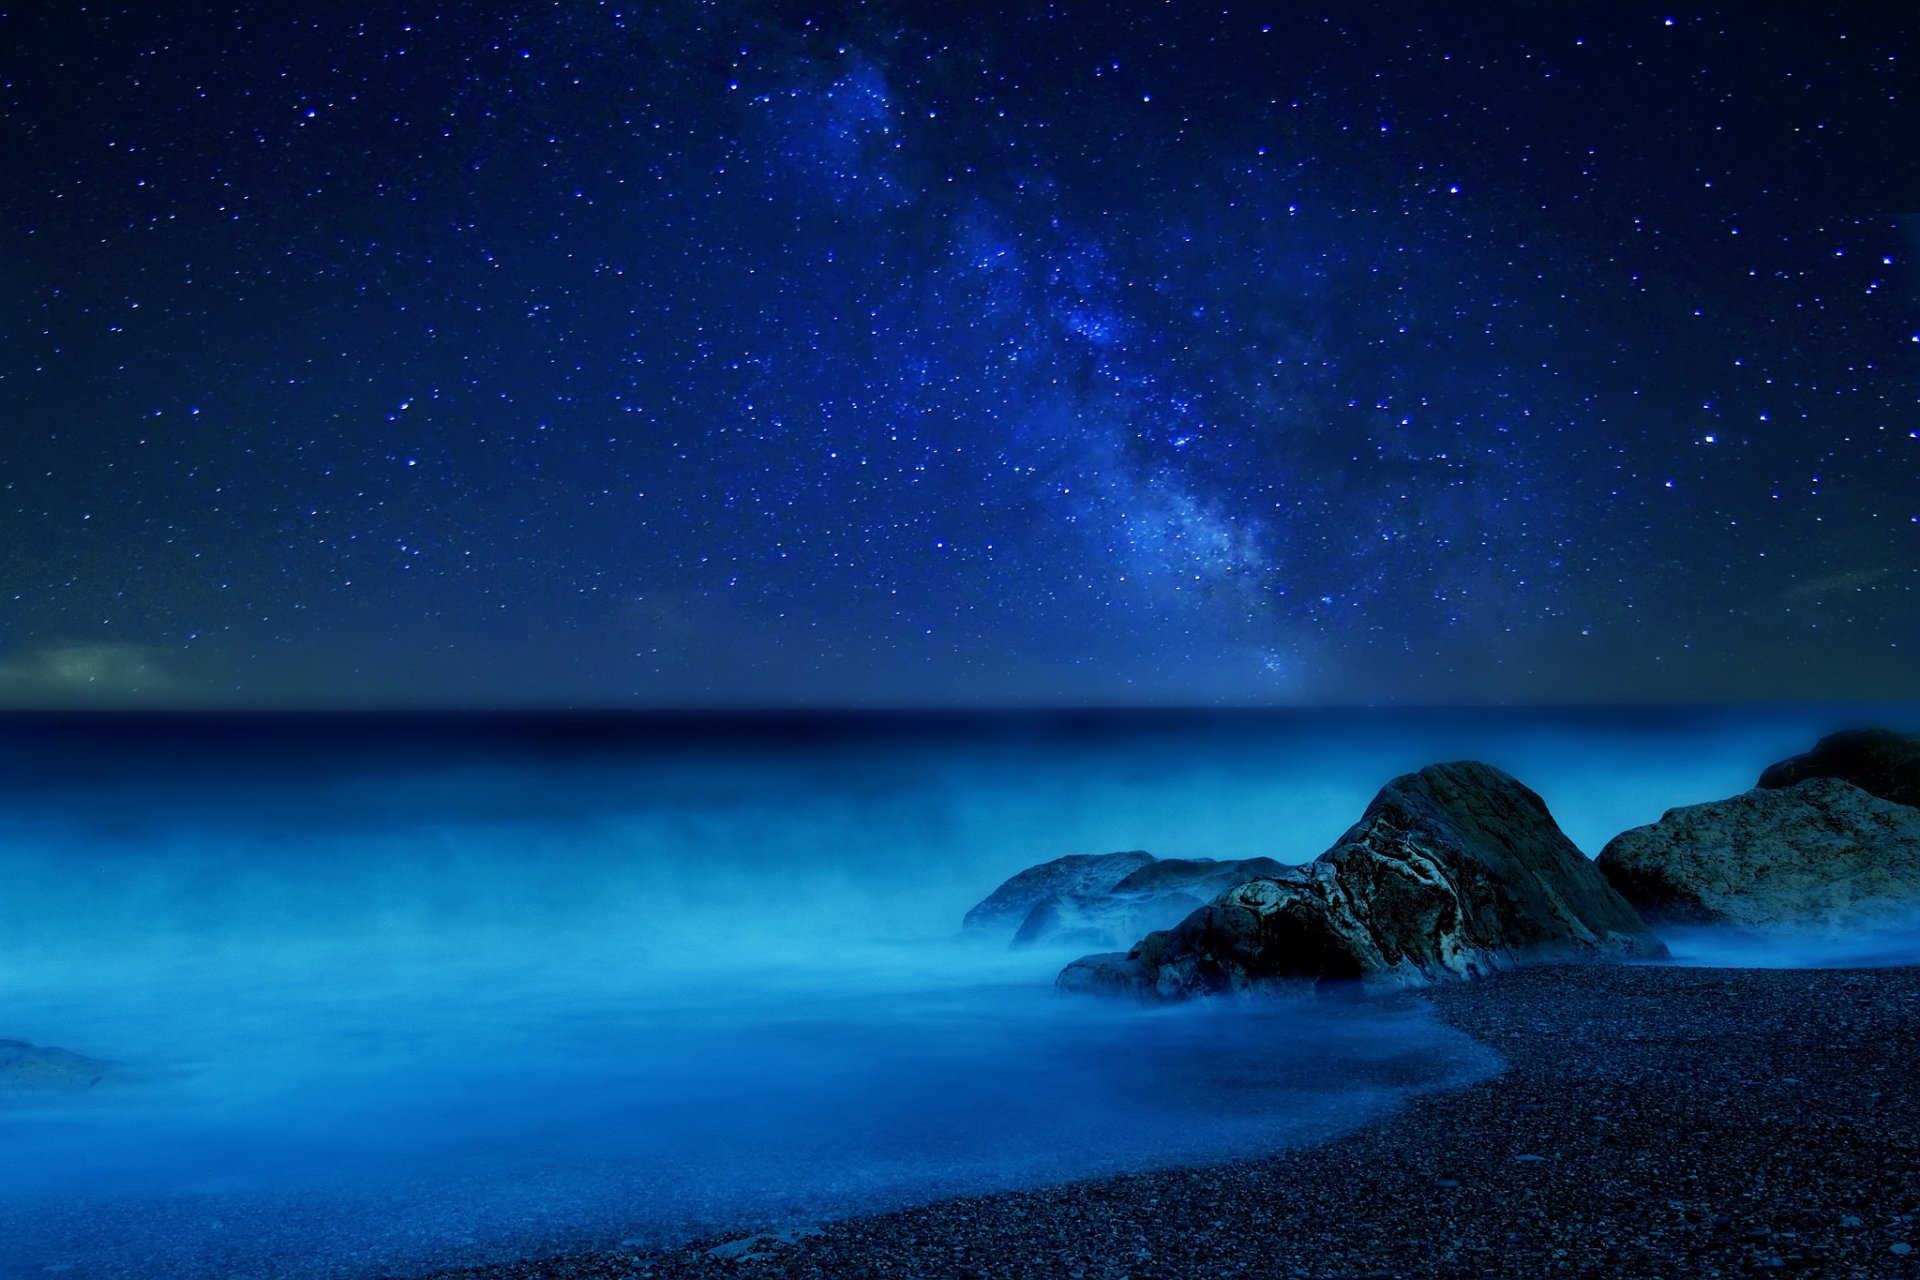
1653, 1121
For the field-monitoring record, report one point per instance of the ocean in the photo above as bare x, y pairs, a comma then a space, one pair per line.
382, 994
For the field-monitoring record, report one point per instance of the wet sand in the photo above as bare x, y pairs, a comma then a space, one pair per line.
1653, 1121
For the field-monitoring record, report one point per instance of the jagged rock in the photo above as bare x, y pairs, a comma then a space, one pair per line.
24, 1066
1207, 877
1452, 872
1158, 895
1822, 853
1007, 908
1878, 761
1107, 899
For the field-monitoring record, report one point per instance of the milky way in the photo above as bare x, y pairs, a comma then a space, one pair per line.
719, 354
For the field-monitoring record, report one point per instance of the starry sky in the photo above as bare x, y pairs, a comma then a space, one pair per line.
604, 354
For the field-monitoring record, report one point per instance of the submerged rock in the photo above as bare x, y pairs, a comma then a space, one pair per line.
1878, 761
25, 1066
1452, 872
1822, 854
1080, 901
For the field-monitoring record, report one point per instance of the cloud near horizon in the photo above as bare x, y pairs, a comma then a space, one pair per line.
65, 674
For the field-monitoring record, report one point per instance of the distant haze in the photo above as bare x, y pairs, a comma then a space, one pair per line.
392, 994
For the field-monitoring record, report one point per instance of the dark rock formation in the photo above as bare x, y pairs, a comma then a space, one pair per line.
1109, 899
1822, 853
1007, 907
1158, 895
24, 1066
1878, 761
1452, 872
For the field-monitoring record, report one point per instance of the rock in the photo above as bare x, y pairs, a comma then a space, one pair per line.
29, 1067
754, 1248
1158, 895
1878, 761
1108, 973
1452, 872
1006, 908
1208, 877
1821, 854
1108, 899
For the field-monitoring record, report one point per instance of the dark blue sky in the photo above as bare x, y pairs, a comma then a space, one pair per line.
591, 354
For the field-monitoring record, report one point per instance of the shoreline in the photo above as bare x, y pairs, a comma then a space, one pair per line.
1652, 1121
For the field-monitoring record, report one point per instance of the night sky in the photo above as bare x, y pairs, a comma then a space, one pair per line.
714, 354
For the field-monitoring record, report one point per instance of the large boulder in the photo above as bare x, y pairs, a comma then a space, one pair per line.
26, 1067
1108, 899
1007, 908
1156, 896
1452, 872
1878, 761
1819, 854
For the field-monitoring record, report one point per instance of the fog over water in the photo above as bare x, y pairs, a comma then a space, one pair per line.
379, 1002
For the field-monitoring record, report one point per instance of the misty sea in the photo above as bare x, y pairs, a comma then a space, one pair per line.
385, 995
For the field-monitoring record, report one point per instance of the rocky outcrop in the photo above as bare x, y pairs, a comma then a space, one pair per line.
1109, 899
1821, 854
1451, 872
30, 1067
1007, 908
1157, 896
1878, 761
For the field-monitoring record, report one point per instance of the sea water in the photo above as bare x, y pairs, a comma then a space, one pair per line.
387, 995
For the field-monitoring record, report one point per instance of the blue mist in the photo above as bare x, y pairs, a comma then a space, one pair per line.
387, 997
